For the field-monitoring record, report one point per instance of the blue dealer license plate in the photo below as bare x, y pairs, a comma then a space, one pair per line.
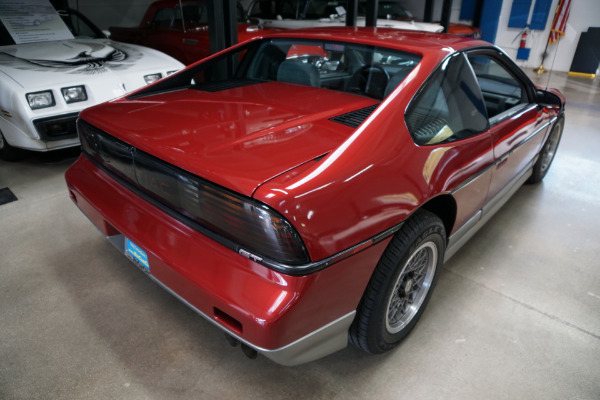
137, 255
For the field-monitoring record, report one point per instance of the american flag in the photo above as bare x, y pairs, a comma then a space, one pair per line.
560, 21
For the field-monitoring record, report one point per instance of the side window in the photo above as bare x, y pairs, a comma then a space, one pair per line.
194, 15
501, 90
450, 107
163, 19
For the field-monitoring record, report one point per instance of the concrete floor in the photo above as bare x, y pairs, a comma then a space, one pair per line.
515, 315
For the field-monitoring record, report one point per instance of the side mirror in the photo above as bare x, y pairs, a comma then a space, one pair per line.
547, 98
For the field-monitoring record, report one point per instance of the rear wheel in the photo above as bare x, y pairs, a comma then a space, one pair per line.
401, 284
547, 153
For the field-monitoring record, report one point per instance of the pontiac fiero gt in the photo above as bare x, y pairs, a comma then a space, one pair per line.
304, 189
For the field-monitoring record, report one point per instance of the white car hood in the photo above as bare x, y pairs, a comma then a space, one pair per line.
38, 64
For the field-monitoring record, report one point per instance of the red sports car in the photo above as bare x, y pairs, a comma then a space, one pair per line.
304, 188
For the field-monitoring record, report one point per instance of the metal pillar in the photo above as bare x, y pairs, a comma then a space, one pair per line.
351, 12
477, 13
446, 9
428, 14
371, 11
222, 30
222, 24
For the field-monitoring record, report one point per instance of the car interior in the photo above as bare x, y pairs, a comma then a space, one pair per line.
363, 70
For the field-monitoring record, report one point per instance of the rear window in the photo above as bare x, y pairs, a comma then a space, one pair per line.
348, 67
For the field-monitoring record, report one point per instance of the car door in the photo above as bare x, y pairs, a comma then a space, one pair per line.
194, 43
517, 125
165, 32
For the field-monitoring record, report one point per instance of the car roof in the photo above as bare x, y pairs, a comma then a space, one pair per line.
417, 42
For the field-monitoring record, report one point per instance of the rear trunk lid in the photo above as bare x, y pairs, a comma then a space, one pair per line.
236, 137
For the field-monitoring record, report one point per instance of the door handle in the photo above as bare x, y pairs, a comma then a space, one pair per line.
502, 161
189, 41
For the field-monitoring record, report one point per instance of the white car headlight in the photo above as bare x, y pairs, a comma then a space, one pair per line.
39, 100
152, 78
74, 94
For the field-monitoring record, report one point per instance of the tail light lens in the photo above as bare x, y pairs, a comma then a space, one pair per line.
112, 154
247, 226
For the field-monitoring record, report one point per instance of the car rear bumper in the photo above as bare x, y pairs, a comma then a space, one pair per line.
289, 319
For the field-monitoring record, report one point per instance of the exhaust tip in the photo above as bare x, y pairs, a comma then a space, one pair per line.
231, 340
248, 351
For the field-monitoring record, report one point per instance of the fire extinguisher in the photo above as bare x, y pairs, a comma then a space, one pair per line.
523, 39
523, 51
523, 34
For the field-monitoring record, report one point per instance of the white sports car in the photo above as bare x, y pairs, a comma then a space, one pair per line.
294, 14
53, 69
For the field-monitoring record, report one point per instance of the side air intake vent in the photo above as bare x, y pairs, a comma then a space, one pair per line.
355, 118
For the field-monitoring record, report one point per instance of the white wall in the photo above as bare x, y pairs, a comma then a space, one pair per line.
584, 13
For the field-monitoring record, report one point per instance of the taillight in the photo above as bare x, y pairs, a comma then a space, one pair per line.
111, 153
249, 227
254, 226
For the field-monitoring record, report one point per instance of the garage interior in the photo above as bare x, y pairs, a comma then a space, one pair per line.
515, 314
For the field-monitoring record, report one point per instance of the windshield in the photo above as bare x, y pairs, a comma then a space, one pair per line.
347, 67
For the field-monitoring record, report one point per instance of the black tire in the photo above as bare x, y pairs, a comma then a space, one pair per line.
9, 153
405, 276
542, 165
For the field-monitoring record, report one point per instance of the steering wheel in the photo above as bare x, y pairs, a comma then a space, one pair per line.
370, 79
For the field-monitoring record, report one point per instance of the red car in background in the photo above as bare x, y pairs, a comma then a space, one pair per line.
179, 29
312, 195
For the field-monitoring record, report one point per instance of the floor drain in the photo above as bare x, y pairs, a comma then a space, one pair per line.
6, 196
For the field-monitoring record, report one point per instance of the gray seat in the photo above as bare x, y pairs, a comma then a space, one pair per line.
267, 63
298, 72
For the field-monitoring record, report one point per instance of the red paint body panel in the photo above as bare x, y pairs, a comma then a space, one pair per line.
274, 309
